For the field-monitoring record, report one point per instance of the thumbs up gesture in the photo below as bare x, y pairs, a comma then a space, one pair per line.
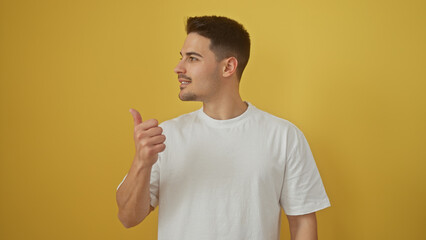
149, 140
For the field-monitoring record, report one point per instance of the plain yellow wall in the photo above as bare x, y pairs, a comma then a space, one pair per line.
350, 74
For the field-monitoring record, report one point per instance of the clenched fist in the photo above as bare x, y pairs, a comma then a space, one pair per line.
149, 140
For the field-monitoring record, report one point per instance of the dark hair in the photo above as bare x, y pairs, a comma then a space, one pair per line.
228, 38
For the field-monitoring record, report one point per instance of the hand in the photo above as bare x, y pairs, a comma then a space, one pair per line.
149, 140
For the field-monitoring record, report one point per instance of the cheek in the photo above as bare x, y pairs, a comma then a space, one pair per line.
205, 76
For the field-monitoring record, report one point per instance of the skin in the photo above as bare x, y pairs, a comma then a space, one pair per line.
212, 82
216, 85
133, 196
303, 227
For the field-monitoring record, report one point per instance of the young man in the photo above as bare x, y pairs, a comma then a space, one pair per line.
228, 167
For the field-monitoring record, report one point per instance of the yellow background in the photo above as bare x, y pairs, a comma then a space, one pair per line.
350, 74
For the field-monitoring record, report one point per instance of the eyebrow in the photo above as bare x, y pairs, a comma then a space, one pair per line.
192, 53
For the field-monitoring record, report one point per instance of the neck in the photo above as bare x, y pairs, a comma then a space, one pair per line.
225, 107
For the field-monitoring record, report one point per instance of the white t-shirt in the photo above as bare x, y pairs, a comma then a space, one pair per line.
227, 179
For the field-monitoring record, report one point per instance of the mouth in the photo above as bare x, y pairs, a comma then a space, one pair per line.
184, 82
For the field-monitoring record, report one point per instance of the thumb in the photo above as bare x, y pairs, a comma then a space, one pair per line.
137, 119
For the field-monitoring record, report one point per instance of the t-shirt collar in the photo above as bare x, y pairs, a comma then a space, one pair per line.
227, 122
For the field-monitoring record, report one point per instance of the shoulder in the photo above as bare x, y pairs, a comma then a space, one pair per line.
272, 121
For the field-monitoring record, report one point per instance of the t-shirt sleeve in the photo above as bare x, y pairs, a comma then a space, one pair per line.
303, 191
154, 182
121, 182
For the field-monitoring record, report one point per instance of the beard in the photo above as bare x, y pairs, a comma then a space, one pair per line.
189, 96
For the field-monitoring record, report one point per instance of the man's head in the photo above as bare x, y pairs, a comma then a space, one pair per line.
227, 37
214, 55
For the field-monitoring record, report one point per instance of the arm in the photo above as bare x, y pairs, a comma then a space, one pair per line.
303, 227
133, 197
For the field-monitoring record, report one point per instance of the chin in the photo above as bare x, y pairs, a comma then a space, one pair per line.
188, 97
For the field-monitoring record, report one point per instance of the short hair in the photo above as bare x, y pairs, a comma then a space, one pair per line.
228, 38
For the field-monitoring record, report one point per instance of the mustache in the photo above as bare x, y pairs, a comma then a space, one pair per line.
184, 77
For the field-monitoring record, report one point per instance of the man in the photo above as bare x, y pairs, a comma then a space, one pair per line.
228, 167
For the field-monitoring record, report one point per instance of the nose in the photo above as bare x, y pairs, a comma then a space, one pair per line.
180, 68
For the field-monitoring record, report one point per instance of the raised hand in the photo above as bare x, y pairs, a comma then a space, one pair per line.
149, 140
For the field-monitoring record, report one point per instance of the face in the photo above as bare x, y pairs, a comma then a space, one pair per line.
198, 71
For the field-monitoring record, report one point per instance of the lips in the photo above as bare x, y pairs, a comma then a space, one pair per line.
184, 80
184, 83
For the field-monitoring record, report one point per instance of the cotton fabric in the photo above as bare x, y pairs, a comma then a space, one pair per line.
228, 179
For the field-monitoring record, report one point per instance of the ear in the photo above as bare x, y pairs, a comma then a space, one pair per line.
230, 66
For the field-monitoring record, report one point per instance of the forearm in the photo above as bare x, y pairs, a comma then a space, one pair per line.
133, 196
303, 227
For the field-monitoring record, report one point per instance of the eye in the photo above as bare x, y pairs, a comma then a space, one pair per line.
191, 59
